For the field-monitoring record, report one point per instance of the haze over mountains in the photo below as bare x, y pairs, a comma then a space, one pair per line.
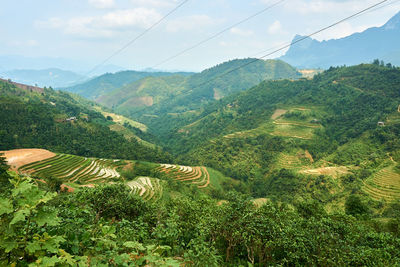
47, 77
377, 42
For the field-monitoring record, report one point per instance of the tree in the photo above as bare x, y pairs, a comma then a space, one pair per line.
3, 173
354, 206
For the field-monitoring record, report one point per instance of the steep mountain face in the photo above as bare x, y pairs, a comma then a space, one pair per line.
47, 77
379, 42
106, 83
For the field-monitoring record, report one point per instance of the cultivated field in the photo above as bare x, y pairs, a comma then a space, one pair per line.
19, 157
384, 185
147, 188
190, 175
301, 125
74, 169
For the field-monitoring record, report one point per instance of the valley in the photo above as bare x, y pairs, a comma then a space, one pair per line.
292, 161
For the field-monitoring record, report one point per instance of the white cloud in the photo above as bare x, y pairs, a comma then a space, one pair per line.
189, 23
139, 17
106, 25
155, 3
102, 3
342, 30
32, 43
240, 32
275, 27
331, 7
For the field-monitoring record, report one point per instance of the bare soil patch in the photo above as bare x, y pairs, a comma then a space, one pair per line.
19, 157
67, 188
278, 113
258, 202
331, 171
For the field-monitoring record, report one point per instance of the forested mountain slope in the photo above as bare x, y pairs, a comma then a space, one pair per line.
163, 102
209, 85
63, 123
343, 122
106, 83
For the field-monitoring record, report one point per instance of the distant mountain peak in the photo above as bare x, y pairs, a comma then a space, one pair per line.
393, 23
377, 42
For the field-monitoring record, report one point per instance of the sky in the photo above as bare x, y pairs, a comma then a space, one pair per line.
91, 30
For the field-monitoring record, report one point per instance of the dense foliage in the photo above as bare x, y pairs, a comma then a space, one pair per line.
350, 101
88, 227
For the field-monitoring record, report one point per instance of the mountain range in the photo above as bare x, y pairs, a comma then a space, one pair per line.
47, 77
373, 43
151, 96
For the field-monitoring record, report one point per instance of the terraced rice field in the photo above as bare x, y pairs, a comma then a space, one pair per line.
190, 175
147, 188
75, 169
289, 161
385, 185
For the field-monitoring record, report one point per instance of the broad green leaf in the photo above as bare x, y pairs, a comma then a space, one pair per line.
8, 245
34, 246
19, 216
21, 188
6, 206
53, 243
46, 217
66, 257
134, 245
47, 261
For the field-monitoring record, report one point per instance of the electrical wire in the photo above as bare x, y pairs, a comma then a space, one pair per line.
285, 43
137, 37
218, 33
294, 42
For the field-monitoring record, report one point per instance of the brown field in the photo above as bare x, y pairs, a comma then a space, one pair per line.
278, 113
19, 157
331, 171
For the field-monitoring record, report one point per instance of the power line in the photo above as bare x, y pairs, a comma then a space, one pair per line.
136, 38
218, 33
285, 43
294, 42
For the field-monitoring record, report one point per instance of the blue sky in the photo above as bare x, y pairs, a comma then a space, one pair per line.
91, 30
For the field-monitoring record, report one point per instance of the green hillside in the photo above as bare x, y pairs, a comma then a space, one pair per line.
315, 166
327, 127
150, 181
144, 93
64, 123
106, 83
156, 95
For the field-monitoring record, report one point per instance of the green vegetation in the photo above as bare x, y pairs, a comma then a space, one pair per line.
106, 83
315, 166
63, 123
155, 100
74, 169
108, 225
